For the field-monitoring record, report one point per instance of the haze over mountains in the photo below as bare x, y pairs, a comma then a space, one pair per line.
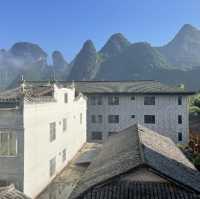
119, 59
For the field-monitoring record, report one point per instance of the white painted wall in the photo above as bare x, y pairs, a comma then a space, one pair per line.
38, 148
166, 112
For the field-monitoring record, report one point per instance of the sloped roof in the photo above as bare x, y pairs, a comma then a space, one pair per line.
120, 87
30, 91
10, 192
137, 146
138, 190
137, 87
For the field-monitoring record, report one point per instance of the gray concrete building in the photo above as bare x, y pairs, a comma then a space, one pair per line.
115, 105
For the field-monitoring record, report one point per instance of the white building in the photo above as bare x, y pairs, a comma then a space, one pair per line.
114, 106
41, 129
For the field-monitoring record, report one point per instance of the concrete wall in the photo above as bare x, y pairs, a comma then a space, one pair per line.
38, 148
166, 111
11, 167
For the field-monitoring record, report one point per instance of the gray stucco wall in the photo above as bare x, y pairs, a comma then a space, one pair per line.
166, 111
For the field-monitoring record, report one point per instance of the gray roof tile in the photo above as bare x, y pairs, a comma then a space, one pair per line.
137, 87
137, 146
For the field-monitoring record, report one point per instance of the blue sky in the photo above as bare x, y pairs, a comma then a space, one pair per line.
65, 24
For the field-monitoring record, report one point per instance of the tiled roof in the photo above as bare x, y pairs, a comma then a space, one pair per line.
29, 91
11, 193
136, 146
138, 190
137, 87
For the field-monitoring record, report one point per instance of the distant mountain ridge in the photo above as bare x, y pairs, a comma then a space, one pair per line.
119, 59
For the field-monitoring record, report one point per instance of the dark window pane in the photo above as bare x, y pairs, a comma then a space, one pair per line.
149, 119
180, 136
113, 100
132, 97
96, 135
180, 119
179, 100
149, 100
113, 119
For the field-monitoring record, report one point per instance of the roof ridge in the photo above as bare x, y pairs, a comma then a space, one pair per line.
140, 144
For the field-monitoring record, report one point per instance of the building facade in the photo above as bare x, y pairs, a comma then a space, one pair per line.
113, 106
161, 113
41, 129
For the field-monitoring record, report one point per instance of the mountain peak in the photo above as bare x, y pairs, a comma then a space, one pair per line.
88, 44
58, 60
188, 27
183, 50
115, 45
84, 65
28, 50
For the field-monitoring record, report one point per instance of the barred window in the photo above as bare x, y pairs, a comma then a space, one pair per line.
100, 118
149, 119
52, 166
81, 118
149, 100
8, 143
64, 124
179, 119
96, 118
52, 127
179, 100
96, 100
180, 136
64, 155
113, 100
66, 98
113, 119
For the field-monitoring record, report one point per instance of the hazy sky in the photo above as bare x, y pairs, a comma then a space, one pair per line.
66, 24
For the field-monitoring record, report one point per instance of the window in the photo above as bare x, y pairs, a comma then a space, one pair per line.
64, 124
112, 133
113, 100
66, 98
113, 119
8, 143
179, 119
96, 119
180, 136
132, 116
64, 155
179, 100
52, 166
96, 100
93, 118
149, 119
81, 118
149, 100
100, 118
132, 97
97, 135
52, 131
